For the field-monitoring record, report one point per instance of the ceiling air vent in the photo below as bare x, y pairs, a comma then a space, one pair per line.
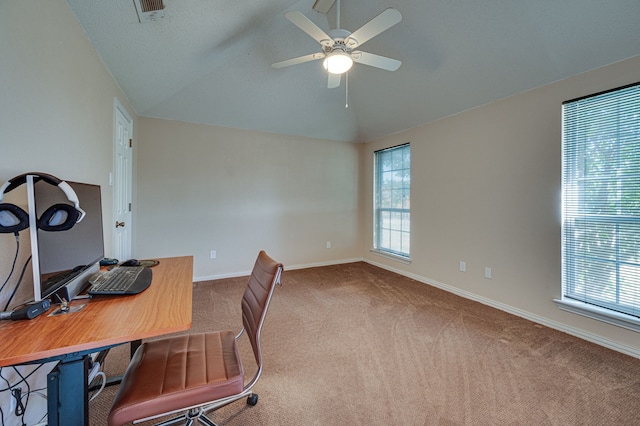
149, 10
323, 6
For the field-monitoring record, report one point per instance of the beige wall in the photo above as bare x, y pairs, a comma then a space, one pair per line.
56, 116
485, 184
56, 109
203, 188
486, 189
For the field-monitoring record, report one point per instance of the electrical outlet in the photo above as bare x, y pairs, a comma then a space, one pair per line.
487, 272
328, 244
212, 254
463, 266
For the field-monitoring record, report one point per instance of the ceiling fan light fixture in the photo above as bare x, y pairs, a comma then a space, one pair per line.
338, 62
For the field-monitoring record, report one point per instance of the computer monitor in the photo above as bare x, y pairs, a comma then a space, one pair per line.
63, 260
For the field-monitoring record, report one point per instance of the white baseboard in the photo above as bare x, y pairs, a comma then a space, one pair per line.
582, 334
286, 268
221, 276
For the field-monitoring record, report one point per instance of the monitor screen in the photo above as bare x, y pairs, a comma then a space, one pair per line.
66, 258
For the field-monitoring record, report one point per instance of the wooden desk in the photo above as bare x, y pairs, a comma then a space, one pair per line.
106, 321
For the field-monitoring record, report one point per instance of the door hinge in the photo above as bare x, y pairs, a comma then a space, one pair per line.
129, 206
130, 143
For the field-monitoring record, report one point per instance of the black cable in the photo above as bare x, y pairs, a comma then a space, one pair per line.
13, 265
24, 268
9, 386
5, 380
34, 370
16, 392
42, 418
21, 408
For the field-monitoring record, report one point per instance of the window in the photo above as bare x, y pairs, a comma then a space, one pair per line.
392, 185
601, 206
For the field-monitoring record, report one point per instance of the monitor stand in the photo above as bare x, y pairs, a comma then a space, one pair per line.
70, 290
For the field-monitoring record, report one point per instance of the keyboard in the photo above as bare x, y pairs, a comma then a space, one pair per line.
121, 280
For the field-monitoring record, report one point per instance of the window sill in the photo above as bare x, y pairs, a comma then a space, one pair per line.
601, 314
391, 256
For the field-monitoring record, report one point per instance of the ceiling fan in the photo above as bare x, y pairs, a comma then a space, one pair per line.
338, 47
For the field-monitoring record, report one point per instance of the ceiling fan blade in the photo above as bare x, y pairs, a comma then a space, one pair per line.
298, 60
323, 6
306, 25
380, 23
334, 81
375, 60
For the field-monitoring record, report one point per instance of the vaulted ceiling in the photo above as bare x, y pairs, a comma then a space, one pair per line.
209, 61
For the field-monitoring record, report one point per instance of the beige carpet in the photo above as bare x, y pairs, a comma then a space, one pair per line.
354, 344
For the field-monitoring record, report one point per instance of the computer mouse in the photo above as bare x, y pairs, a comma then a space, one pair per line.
130, 262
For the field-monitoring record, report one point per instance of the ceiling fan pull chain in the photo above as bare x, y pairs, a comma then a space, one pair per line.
346, 85
337, 46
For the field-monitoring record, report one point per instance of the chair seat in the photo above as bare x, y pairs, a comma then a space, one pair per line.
177, 372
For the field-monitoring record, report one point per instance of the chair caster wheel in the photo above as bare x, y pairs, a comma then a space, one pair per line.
252, 399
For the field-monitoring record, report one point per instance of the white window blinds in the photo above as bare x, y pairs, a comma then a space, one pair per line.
601, 200
392, 214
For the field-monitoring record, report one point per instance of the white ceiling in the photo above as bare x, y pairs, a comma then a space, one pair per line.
209, 61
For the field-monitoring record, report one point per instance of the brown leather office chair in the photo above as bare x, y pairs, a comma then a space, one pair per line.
200, 372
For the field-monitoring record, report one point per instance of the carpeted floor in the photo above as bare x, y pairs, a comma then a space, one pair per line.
355, 344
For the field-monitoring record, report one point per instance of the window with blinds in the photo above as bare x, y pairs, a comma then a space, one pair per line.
601, 204
392, 215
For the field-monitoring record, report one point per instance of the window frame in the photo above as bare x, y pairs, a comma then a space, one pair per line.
380, 231
584, 120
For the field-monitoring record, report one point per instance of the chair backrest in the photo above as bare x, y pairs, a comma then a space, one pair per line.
255, 301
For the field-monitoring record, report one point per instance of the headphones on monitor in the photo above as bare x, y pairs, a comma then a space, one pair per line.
59, 217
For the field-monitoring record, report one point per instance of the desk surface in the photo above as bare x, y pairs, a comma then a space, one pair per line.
165, 307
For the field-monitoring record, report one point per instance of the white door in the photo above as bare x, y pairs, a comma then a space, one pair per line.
122, 182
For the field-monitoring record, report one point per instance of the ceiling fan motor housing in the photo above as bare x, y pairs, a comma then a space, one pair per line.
341, 35
338, 42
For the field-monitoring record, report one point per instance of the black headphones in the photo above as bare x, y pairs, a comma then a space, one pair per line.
59, 217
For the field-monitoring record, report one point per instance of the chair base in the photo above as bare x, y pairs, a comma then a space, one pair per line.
191, 416
198, 414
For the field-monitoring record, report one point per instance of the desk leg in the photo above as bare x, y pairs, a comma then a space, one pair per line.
67, 401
